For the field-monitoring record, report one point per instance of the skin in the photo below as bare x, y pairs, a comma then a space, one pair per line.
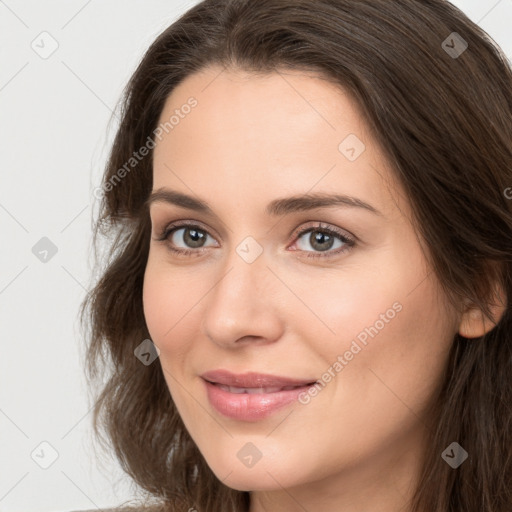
358, 444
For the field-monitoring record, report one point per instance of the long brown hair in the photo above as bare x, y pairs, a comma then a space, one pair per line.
440, 106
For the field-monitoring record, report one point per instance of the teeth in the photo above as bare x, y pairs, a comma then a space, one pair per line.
255, 391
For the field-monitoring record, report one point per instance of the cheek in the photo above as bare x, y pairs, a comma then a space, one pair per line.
393, 329
343, 303
397, 350
163, 306
156, 304
169, 294
165, 312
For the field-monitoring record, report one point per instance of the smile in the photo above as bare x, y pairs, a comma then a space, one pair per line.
251, 404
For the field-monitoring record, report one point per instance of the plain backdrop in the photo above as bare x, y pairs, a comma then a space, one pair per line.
63, 67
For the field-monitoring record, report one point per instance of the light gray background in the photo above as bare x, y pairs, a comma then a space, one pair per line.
54, 117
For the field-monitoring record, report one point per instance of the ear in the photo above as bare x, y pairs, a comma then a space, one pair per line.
474, 323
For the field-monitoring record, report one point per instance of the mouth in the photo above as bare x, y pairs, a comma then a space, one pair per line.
252, 397
258, 390
254, 381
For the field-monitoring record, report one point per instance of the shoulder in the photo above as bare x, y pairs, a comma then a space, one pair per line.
141, 505
121, 509
133, 508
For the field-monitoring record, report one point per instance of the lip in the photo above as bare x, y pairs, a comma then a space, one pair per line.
251, 406
252, 379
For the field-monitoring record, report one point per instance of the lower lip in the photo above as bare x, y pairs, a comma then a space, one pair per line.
250, 407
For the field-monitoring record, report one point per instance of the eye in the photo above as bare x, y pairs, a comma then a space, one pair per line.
192, 236
323, 239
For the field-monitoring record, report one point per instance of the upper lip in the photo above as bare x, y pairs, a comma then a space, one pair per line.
252, 379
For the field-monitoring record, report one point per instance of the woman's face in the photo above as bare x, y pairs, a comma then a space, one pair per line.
349, 303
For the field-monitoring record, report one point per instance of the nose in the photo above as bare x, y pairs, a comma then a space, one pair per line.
243, 307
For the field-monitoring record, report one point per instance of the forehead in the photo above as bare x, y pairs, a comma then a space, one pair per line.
298, 105
288, 130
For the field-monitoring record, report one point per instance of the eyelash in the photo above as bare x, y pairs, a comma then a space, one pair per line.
348, 241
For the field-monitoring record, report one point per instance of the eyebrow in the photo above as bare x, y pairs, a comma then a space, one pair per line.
277, 207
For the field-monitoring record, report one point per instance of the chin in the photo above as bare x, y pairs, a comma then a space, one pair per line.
251, 482
260, 477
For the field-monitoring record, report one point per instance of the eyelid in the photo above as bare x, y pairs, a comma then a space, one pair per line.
322, 226
183, 223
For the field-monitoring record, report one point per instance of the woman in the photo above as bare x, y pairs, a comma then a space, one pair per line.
306, 304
